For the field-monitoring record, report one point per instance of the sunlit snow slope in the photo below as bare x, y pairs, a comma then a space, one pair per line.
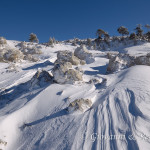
37, 120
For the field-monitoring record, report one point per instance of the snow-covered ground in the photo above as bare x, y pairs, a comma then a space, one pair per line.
37, 119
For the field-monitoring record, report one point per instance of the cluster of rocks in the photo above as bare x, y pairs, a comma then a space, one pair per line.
64, 70
81, 105
122, 61
23, 51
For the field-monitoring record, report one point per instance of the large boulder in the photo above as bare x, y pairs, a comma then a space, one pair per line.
40, 78
81, 105
67, 56
83, 54
64, 73
119, 62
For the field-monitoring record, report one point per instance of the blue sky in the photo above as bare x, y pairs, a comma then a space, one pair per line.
65, 19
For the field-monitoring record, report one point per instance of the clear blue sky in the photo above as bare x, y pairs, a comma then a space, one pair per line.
65, 19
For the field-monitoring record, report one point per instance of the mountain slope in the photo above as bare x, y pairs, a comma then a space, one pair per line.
37, 118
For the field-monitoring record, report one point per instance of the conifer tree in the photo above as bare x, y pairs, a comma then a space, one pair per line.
33, 38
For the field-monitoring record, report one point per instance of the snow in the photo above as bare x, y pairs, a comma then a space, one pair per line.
36, 118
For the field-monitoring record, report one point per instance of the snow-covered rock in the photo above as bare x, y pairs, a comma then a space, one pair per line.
67, 56
122, 61
143, 60
79, 105
119, 62
41, 78
83, 54
64, 73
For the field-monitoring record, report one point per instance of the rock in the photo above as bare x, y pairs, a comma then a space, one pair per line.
96, 81
143, 60
148, 55
122, 61
83, 54
73, 75
41, 78
64, 73
79, 105
67, 56
119, 62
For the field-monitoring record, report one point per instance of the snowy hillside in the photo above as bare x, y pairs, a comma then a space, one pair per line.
78, 99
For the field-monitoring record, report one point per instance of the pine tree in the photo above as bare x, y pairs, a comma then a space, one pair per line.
100, 33
132, 36
51, 42
33, 38
54, 41
139, 31
123, 30
106, 37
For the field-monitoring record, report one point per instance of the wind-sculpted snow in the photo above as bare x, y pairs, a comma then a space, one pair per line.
115, 108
